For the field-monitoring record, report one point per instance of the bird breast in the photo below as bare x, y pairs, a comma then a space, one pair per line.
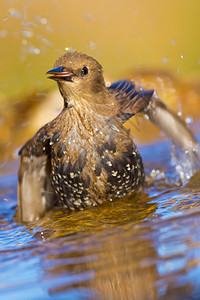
90, 156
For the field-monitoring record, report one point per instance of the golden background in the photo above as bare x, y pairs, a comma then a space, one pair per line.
122, 35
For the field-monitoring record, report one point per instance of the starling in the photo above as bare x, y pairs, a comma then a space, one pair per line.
85, 156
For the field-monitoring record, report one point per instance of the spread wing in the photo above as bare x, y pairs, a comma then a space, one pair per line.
172, 125
35, 192
130, 100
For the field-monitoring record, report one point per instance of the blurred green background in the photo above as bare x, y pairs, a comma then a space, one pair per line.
122, 35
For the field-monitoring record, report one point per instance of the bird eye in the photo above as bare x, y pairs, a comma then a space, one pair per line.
84, 70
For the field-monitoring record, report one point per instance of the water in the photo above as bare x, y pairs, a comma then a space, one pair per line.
147, 247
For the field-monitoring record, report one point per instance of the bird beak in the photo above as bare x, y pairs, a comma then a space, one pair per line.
60, 73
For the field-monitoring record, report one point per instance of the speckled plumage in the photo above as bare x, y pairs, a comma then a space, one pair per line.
84, 156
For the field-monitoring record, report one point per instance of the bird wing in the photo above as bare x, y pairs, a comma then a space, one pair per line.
172, 125
35, 191
130, 100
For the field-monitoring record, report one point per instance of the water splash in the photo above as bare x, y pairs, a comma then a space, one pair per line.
157, 175
185, 163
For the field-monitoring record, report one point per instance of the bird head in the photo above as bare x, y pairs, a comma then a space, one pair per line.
78, 76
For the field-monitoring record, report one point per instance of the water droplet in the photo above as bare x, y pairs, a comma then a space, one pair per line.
188, 120
88, 17
134, 31
182, 56
44, 40
34, 50
3, 33
43, 21
24, 42
92, 45
14, 13
69, 49
165, 60
5, 19
27, 33
29, 24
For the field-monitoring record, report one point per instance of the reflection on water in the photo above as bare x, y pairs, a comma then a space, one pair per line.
142, 248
